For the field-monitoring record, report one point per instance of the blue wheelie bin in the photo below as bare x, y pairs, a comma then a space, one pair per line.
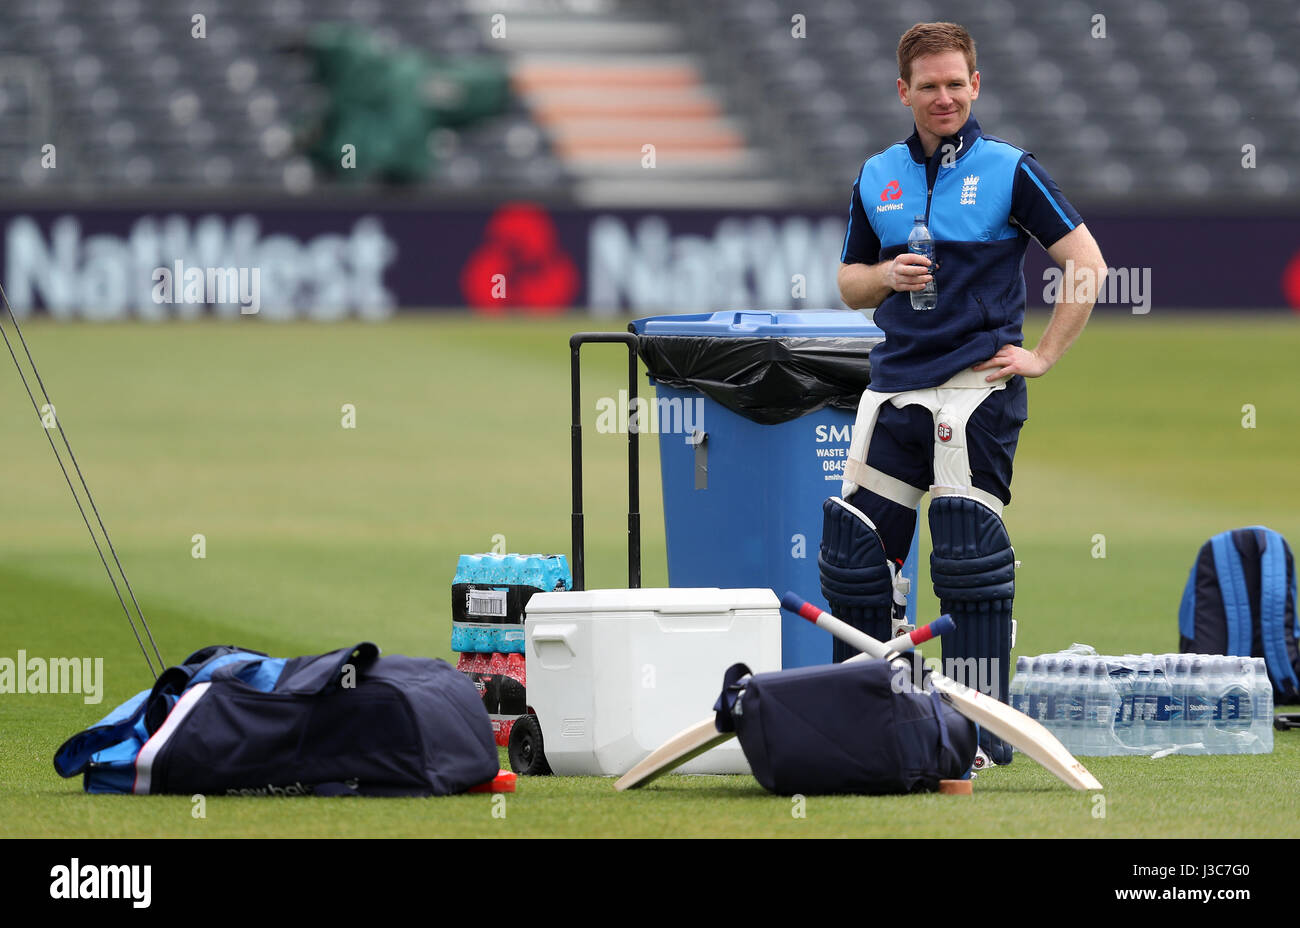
755, 412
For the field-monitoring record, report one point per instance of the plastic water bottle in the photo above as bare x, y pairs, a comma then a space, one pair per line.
1035, 690
1232, 717
1076, 703
1153, 732
1174, 706
1062, 717
1050, 693
1178, 701
1056, 698
1121, 675
1063, 679
1216, 685
1085, 739
1124, 677
1158, 729
919, 242
1041, 701
1103, 702
1198, 710
1019, 683
1261, 714
1141, 692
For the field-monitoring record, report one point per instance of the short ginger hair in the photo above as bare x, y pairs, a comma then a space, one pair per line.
932, 39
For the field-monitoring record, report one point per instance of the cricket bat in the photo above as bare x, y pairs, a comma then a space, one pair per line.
704, 735
1016, 728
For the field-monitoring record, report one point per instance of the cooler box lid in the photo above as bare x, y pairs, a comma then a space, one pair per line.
681, 600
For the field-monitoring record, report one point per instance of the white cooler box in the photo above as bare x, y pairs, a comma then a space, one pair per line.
612, 674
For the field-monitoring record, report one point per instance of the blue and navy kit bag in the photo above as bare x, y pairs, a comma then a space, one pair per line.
230, 721
1240, 600
857, 727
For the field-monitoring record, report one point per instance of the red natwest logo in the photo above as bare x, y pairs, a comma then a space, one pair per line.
893, 190
520, 263
1291, 282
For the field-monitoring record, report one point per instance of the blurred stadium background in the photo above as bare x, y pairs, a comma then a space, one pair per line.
371, 157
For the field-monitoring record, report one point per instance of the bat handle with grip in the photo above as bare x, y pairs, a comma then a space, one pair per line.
940, 626
801, 607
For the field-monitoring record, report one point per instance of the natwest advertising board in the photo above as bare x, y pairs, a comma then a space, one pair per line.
106, 264
293, 261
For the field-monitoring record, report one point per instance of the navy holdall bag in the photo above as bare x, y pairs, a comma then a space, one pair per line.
859, 727
231, 721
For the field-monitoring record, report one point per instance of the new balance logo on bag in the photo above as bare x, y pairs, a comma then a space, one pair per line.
1240, 600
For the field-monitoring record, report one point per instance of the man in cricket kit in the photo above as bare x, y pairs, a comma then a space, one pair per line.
947, 395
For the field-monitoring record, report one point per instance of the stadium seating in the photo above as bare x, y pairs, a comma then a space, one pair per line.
1157, 109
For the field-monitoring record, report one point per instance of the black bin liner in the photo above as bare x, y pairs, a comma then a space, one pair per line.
767, 380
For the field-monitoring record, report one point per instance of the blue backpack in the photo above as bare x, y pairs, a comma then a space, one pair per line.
1240, 600
230, 721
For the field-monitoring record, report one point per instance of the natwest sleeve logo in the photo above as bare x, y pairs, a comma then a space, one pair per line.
893, 190
520, 263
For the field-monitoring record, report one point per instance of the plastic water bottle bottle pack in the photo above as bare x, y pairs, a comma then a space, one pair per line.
1153, 704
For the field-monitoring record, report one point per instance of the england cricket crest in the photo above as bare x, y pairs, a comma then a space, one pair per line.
944, 431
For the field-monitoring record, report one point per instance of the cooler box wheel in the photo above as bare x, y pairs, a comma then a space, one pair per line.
527, 757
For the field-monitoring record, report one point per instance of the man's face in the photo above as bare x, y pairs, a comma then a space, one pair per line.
940, 93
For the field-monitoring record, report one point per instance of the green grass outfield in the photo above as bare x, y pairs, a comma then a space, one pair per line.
318, 537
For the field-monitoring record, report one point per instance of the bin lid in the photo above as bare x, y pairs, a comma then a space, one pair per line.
806, 323
770, 367
680, 600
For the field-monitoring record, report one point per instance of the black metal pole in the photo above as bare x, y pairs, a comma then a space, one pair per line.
633, 474
633, 461
575, 456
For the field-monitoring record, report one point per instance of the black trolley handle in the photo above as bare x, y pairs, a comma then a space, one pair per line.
633, 464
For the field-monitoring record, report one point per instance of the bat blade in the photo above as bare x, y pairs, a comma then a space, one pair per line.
677, 750
1018, 730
